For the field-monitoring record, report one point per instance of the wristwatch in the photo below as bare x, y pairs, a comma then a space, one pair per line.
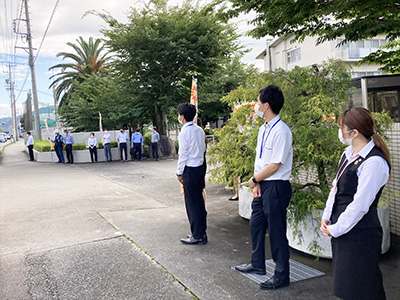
254, 180
178, 175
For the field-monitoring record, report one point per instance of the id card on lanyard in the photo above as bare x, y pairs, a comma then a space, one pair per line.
262, 141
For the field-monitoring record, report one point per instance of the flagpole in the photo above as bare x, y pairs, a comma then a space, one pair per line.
51, 145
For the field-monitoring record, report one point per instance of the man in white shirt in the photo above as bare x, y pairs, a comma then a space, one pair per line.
122, 139
271, 190
107, 145
29, 144
155, 138
190, 173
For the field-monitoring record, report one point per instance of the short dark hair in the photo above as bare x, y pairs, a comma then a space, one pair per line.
273, 96
154, 127
137, 129
92, 133
187, 110
28, 133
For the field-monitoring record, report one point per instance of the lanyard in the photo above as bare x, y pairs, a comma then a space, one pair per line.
342, 168
262, 141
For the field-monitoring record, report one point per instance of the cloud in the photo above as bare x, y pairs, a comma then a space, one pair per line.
67, 25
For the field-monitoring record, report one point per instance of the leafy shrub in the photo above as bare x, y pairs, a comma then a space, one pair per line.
147, 139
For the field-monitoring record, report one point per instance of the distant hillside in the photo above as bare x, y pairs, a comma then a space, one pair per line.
6, 123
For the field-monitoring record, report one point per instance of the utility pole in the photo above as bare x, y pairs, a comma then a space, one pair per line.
33, 76
10, 83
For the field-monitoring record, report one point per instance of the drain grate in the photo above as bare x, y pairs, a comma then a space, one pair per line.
298, 272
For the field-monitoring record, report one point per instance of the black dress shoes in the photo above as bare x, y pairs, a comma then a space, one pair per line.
250, 269
273, 284
190, 240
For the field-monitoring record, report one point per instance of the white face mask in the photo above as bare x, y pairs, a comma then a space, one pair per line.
347, 142
179, 120
258, 112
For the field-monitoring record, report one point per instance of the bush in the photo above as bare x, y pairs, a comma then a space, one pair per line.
80, 146
147, 139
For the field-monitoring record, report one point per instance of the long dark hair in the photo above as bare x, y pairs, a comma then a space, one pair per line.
361, 119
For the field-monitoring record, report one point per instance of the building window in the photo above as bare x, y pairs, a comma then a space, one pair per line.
360, 49
385, 101
293, 55
363, 74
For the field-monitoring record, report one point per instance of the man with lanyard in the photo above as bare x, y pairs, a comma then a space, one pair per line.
107, 145
155, 138
69, 141
58, 146
190, 173
271, 190
122, 139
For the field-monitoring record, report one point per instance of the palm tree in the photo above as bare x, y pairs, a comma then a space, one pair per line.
87, 60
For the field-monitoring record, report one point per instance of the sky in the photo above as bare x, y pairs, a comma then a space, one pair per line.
65, 25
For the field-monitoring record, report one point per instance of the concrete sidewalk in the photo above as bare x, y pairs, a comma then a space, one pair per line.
111, 231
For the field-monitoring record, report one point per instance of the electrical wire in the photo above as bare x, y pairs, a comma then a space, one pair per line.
47, 28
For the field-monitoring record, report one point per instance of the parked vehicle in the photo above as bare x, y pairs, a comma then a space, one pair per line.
3, 138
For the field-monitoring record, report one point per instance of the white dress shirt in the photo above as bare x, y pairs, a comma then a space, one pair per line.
92, 141
372, 175
29, 141
191, 147
274, 145
123, 137
107, 138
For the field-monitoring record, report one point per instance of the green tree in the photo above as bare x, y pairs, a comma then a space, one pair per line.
354, 20
159, 50
93, 95
229, 77
87, 59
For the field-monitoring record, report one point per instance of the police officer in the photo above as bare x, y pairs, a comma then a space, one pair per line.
58, 146
271, 190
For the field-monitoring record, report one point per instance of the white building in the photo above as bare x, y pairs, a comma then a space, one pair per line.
282, 53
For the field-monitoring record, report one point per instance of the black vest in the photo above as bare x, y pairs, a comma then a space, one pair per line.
346, 189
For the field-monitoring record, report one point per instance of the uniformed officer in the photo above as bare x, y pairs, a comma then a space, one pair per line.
271, 190
58, 146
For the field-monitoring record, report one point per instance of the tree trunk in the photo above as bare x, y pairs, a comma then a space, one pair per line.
160, 121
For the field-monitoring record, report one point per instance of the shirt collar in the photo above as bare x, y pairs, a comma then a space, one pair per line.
273, 121
187, 124
364, 151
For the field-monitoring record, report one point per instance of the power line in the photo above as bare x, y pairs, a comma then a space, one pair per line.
47, 28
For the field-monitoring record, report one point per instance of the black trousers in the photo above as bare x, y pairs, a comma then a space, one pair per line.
137, 148
154, 150
93, 152
193, 182
123, 147
68, 150
269, 211
30, 149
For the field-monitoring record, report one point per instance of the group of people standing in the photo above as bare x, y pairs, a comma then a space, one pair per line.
350, 217
60, 141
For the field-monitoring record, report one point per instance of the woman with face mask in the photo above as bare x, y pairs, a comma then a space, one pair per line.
350, 218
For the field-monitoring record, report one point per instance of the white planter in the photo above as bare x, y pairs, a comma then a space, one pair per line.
310, 228
80, 156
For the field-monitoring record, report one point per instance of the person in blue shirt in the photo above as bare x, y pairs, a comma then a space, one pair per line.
69, 141
58, 146
155, 138
136, 145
